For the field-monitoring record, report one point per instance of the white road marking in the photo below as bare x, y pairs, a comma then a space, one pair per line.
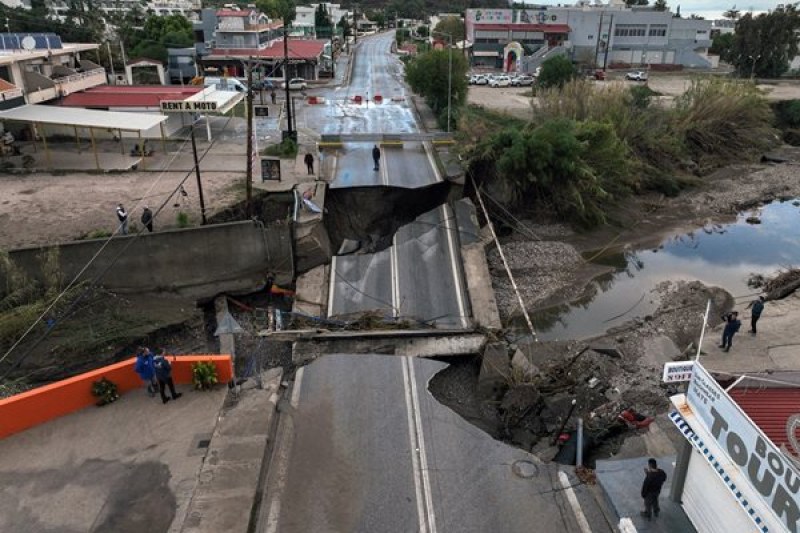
394, 273
423, 457
413, 442
385, 168
573, 502
282, 455
454, 266
431, 161
332, 287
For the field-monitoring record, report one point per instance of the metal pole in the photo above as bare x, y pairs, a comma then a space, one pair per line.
599, 38
703, 331
249, 107
286, 80
449, 80
111, 62
46, 148
94, 149
77, 139
579, 452
608, 42
199, 183
141, 150
163, 138
566, 419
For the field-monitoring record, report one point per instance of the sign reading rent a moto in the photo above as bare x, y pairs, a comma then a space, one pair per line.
187, 106
761, 465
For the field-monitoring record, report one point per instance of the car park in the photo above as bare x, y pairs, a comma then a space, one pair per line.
500, 81
481, 80
296, 84
522, 81
638, 75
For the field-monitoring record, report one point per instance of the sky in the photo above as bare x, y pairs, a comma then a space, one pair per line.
710, 9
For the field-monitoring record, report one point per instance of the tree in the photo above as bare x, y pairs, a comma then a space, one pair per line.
732, 14
660, 5
427, 74
321, 17
763, 45
452, 26
159, 33
556, 71
422, 31
344, 25
632, 3
722, 46
279, 9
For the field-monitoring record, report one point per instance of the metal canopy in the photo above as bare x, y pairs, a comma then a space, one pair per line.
225, 100
83, 118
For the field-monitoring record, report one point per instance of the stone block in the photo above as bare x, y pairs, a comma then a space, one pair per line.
495, 371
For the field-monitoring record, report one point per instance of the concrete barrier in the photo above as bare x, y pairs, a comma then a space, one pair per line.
39, 405
196, 262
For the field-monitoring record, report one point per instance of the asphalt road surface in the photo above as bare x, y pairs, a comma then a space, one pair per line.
372, 451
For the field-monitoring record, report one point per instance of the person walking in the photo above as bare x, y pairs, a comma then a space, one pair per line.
147, 219
309, 160
122, 216
145, 369
376, 157
732, 325
164, 376
757, 307
654, 479
272, 96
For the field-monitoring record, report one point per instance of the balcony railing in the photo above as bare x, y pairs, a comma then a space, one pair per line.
80, 81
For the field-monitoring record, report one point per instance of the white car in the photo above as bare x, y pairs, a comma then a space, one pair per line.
296, 84
638, 75
522, 81
500, 81
481, 80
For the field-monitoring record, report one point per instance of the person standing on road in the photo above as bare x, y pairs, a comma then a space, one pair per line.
164, 375
147, 219
272, 96
309, 160
376, 157
122, 216
654, 479
757, 307
145, 369
732, 325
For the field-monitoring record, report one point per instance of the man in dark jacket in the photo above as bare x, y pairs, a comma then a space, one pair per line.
147, 219
757, 307
309, 161
164, 376
732, 325
654, 479
376, 157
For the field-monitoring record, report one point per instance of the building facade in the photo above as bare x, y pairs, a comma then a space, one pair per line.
601, 36
186, 8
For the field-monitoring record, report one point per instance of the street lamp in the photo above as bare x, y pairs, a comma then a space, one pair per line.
753, 60
449, 73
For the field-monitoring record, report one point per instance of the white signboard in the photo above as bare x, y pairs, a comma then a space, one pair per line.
489, 16
678, 372
763, 466
187, 106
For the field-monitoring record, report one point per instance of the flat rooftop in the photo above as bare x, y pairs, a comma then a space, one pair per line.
127, 467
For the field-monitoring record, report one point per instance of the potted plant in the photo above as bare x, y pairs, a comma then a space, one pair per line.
204, 375
105, 391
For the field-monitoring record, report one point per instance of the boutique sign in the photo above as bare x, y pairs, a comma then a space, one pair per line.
764, 468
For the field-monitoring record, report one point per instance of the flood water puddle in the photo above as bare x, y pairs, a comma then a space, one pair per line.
720, 255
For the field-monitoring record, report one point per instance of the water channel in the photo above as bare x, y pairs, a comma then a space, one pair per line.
720, 255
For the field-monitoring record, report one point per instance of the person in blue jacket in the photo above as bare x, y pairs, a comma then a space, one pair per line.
732, 325
164, 375
144, 367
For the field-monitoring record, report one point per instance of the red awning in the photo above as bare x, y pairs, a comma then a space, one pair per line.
129, 95
770, 409
298, 49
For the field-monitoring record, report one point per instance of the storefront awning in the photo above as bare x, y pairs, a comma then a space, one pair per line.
83, 118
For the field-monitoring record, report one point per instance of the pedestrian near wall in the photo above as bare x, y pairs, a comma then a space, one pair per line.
122, 216
376, 157
757, 307
164, 376
654, 479
309, 160
145, 369
732, 325
272, 96
147, 219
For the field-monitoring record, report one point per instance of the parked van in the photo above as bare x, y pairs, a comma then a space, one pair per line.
225, 84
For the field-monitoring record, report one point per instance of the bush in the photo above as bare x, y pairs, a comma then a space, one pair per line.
556, 71
285, 149
204, 375
105, 391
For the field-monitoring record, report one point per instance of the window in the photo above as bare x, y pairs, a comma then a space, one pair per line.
630, 30
591, 37
658, 30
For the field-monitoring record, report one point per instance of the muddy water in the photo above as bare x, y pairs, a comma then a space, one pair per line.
722, 255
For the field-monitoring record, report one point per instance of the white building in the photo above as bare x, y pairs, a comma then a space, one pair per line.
186, 8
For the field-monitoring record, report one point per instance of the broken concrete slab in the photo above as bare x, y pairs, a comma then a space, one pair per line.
523, 366
479, 286
312, 247
226, 339
495, 370
610, 351
311, 296
660, 349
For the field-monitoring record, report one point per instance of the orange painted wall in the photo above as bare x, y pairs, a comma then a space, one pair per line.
36, 406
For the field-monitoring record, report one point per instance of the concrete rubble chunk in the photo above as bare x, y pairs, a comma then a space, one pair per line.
521, 364
518, 401
608, 350
227, 324
495, 370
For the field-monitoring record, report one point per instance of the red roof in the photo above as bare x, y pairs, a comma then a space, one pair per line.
770, 408
234, 12
298, 49
129, 95
6, 86
546, 28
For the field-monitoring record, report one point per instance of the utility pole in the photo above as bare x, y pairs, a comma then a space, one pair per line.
111, 62
249, 106
355, 24
290, 133
199, 183
608, 42
599, 38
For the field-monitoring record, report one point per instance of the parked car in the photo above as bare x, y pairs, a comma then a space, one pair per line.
263, 84
225, 84
638, 75
500, 81
296, 84
522, 81
481, 80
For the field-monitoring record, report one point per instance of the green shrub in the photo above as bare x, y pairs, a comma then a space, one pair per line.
182, 219
105, 391
556, 71
204, 375
285, 149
